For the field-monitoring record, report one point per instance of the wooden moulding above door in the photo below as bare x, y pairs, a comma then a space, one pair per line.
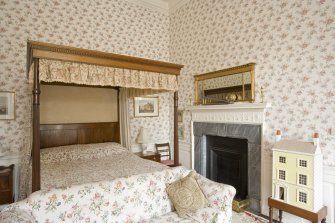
73, 54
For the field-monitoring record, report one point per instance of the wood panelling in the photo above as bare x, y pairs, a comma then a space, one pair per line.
6, 184
82, 133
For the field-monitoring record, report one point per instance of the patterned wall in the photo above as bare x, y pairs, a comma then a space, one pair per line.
292, 44
112, 26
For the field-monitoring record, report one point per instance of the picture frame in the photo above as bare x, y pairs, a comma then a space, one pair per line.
181, 132
180, 116
7, 105
146, 106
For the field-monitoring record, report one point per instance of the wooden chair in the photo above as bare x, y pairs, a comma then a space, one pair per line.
164, 150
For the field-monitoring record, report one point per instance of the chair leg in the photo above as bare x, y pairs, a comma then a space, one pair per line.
280, 216
270, 214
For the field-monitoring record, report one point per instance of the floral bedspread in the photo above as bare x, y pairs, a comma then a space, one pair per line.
78, 164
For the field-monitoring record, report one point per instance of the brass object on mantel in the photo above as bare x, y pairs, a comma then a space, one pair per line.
226, 86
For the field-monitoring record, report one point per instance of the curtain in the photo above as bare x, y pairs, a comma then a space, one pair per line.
124, 118
25, 164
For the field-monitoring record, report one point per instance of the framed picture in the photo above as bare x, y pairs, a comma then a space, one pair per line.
146, 106
181, 132
180, 116
7, 105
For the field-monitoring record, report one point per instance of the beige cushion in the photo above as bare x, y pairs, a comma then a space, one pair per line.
186, 195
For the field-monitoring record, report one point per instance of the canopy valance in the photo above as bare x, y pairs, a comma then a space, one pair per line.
95, 75
87, 67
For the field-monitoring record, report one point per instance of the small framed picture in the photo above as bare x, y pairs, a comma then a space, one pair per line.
146, 106
7, 105
180, 116
181, 132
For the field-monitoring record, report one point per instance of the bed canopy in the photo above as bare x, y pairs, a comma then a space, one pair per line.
51, 63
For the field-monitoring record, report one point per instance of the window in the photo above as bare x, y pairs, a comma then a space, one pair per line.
302, 179
282, 193
282, 174
303, 163
282, 159
302, 197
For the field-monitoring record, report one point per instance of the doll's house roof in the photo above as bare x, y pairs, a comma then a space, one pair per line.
296, 146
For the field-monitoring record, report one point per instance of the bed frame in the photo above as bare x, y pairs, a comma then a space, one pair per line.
52, 135
65, 134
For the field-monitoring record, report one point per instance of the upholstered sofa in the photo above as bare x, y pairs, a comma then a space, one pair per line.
138, 198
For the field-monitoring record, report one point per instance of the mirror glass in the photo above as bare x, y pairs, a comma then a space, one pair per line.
226, 86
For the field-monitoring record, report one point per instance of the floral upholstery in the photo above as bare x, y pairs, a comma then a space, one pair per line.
17, 212
139, 198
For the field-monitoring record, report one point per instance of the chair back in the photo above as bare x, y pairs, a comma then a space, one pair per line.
164, 150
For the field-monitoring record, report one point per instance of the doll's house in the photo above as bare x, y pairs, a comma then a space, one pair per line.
297, 173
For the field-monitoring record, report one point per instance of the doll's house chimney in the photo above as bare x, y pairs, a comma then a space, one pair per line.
316, 142
278, 135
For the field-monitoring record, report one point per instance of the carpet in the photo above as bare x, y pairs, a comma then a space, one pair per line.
247, 217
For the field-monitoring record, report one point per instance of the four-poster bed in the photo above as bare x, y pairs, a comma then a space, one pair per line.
52, 63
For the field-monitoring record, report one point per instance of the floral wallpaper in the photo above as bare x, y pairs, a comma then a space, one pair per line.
111, 26
292, 44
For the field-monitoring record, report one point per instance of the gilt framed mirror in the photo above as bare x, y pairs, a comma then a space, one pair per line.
226, 86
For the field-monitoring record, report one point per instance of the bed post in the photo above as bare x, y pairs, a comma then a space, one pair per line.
176, 142
36, 169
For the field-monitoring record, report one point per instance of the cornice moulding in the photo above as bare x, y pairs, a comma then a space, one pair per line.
160, 5
155, 5
176, 4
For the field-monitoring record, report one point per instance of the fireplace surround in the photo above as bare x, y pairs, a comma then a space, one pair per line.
236, 121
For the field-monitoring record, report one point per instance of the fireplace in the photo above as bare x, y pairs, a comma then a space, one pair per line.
230, 154
227, 162
236, 121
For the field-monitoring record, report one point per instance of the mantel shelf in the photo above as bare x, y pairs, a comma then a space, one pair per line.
242, 113
235, 106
